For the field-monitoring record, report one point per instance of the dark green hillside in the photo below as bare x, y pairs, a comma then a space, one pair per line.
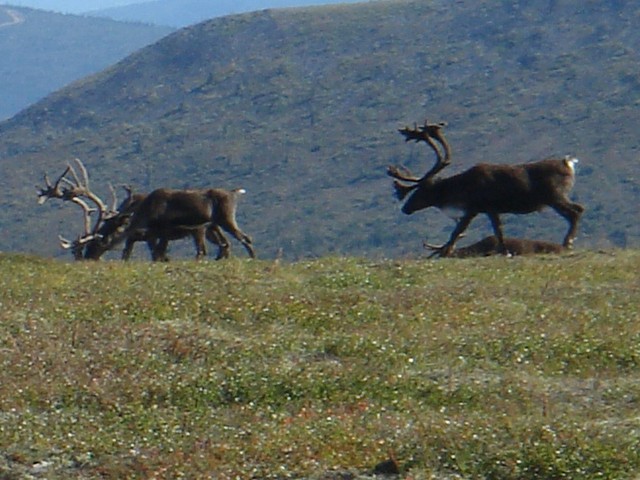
43, 51
301, 107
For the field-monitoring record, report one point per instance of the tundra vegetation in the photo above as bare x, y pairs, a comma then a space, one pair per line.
503, 368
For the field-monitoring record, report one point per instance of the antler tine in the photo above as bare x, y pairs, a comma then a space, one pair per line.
114, 200
83, 171
76, 184
80, 183
433, 131
435, 249
87, 215
426, 133
82, 186
77, 245
416, 134
51, 191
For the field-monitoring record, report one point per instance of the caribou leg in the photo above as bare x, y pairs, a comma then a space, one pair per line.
497, 229
239, 235
215, 236
159, 251
198, 240
446, 249
571, 212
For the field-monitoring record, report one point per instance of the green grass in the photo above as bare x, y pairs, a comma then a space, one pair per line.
524, 368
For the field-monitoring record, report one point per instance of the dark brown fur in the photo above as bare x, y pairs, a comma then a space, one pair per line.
165, 215
515, 246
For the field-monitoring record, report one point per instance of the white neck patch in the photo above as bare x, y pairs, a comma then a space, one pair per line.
571, 162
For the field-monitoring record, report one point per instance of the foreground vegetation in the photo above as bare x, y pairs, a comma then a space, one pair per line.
523, 368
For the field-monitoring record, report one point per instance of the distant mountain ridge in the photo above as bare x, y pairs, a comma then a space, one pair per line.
67, 6
180, 13
301, 108
43, 51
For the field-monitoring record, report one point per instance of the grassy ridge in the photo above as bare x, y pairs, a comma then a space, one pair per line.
492, 368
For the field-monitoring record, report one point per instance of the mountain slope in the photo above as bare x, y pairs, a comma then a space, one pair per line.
43, 51
301, 107
180, 13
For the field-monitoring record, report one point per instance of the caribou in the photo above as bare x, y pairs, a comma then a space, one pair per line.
165, 215
125, 222
491, 189
491, 246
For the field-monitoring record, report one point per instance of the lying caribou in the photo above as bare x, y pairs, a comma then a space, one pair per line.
166, 214
486, 188
491, 246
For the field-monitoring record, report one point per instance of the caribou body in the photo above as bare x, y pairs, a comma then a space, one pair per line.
165, 214
490, 189
156, 218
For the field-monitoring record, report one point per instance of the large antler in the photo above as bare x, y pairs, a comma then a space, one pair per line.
76, 189
76, 246
426, 133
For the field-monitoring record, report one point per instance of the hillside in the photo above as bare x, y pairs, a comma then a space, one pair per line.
180, 13
301, 108
43, 51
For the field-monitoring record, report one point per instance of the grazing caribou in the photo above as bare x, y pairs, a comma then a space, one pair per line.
486, 188
126, 222
116, 224
167, 214
491, 246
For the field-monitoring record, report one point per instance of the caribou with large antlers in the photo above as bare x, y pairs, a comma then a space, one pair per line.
157, 218
491, 189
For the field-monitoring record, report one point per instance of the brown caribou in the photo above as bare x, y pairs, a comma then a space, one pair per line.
491, 246
103, 233
100, 243
167, 214
491, 189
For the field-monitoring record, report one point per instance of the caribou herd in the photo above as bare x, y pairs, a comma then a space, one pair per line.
155, 218
164, 215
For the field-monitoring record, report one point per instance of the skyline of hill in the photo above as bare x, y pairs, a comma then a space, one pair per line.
306, 120
180, 13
